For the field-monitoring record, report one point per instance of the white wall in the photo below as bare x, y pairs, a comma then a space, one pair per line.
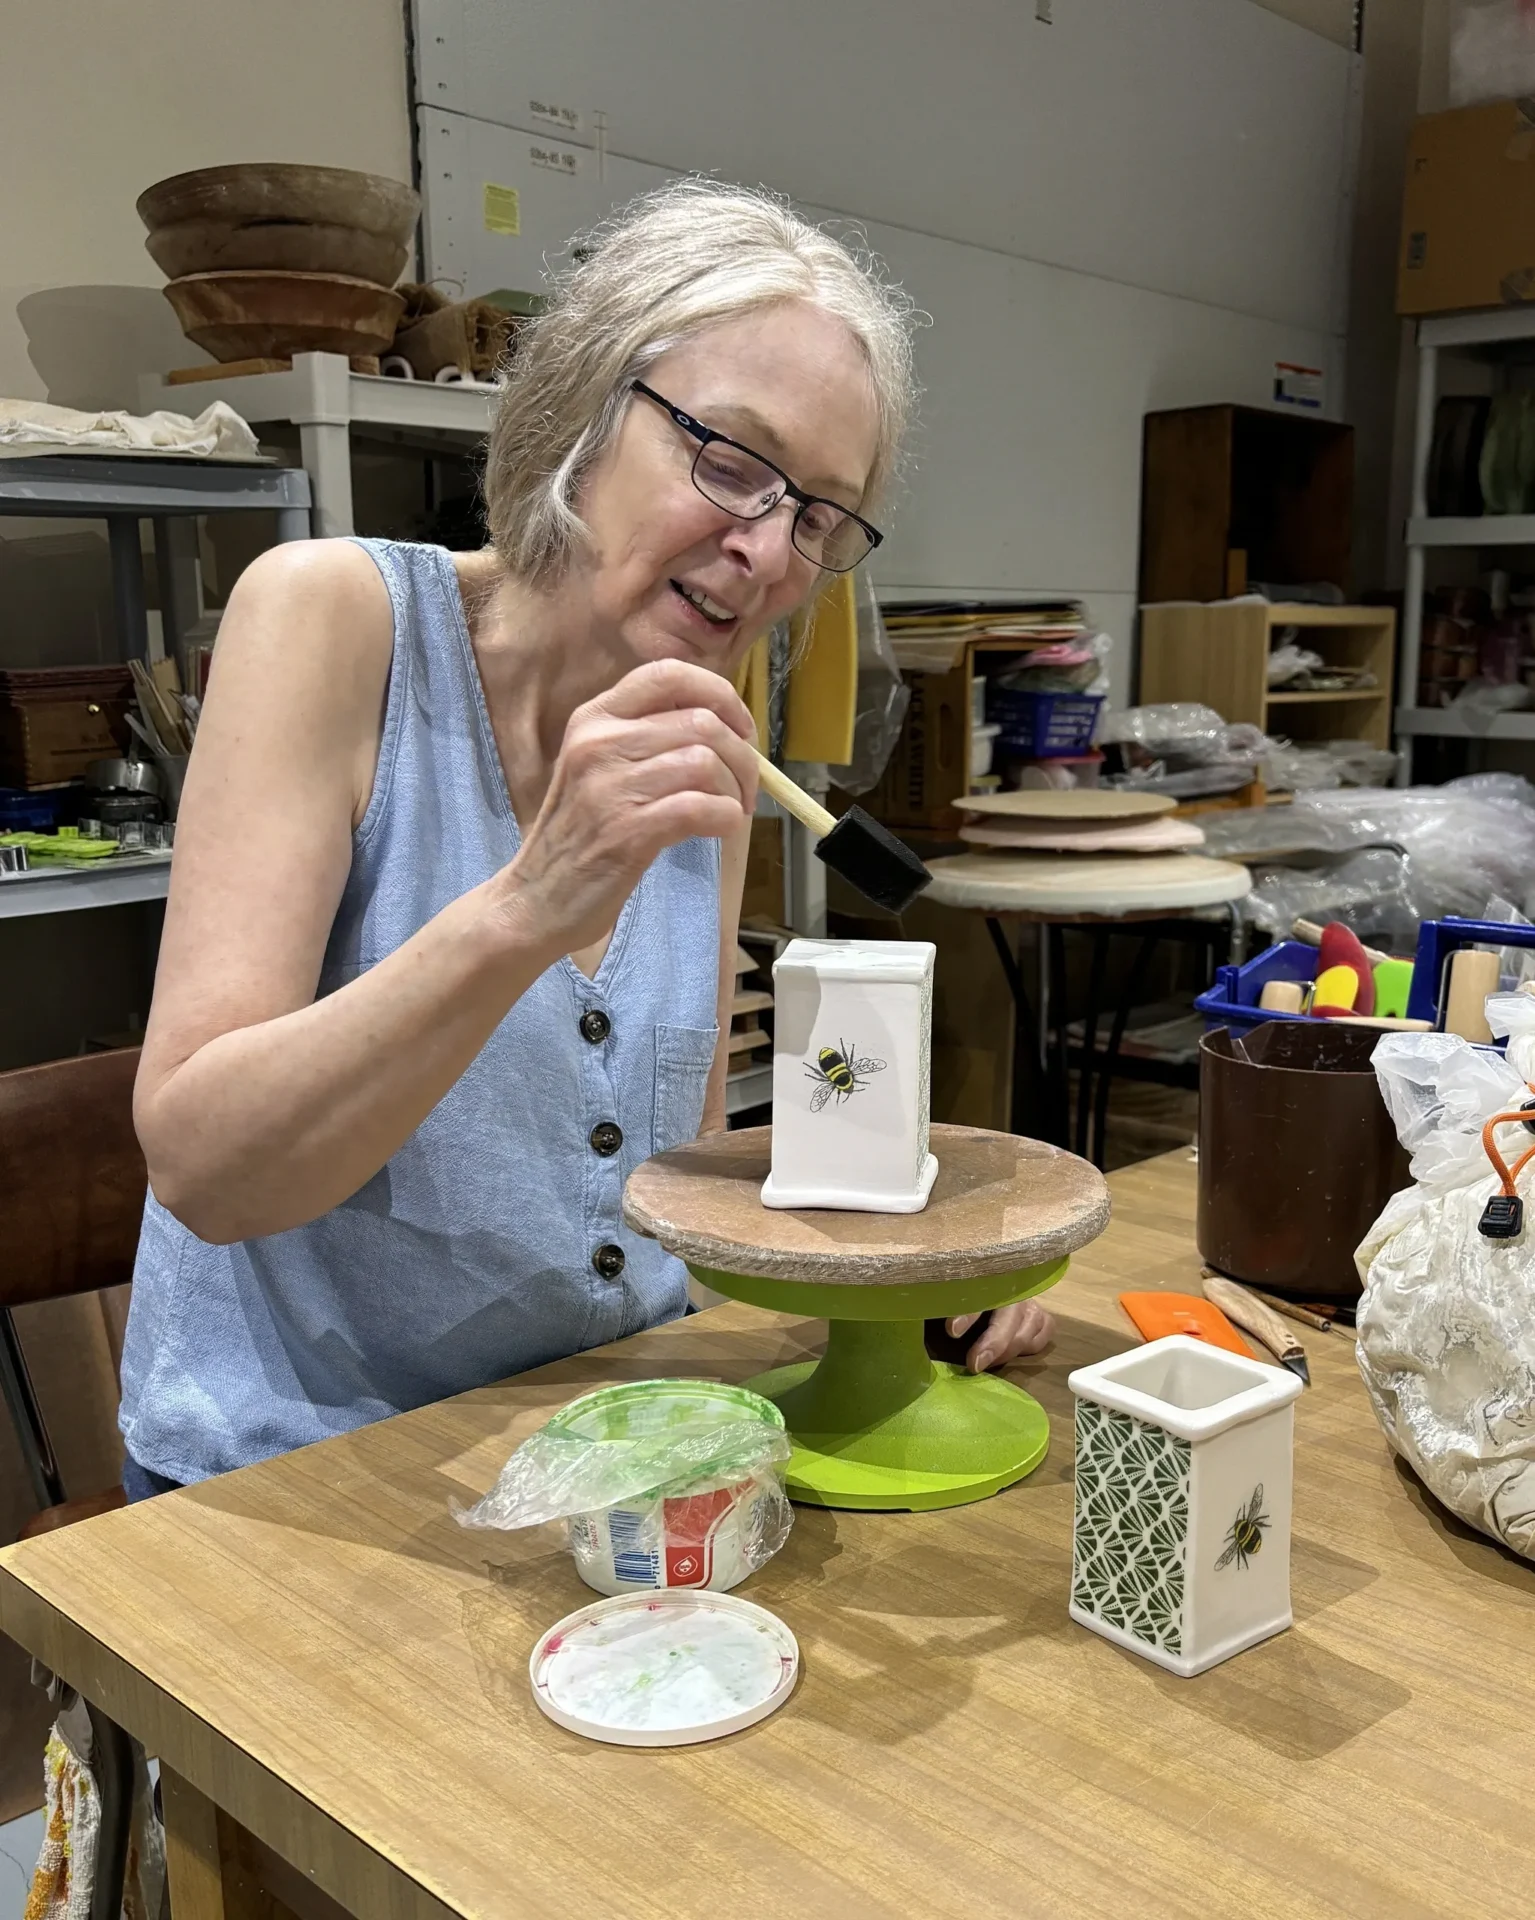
1127, 209
101, 98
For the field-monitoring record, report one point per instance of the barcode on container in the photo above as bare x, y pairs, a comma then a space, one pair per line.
634, 1564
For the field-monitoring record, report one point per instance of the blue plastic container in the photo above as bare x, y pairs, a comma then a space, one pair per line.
22, 812
1044, 726
1233, 1000
1437, 940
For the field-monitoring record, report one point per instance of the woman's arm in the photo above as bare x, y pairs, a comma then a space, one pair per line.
260, 1108
733, 856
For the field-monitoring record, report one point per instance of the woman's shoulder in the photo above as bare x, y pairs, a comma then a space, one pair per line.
323, 578
323, 574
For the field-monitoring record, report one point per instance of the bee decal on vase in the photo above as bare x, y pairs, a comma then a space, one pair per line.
839, 1071
1245, 1534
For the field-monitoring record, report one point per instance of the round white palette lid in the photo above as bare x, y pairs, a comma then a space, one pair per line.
1077, 803
664, 1668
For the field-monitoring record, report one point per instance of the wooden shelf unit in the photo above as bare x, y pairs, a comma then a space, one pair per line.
1218, 655
1236, 494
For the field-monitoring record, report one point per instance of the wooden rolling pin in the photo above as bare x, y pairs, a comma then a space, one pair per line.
1249, 1313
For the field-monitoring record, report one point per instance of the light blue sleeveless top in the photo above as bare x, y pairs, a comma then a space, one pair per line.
488, 1243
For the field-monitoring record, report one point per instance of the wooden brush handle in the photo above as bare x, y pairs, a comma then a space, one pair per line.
1311, 933
794, 800
1249, 1312
1473, 975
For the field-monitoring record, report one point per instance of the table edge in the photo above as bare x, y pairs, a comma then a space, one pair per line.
270, 1806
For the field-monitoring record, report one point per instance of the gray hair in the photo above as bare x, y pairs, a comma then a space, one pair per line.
662, 269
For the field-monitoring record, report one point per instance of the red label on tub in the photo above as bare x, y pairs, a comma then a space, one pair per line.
690, 1528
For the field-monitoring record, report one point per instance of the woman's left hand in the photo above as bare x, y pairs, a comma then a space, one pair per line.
1014, 1333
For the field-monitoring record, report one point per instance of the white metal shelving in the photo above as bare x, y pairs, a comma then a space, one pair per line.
328, 403
58, 890
1485, 334
1445, 723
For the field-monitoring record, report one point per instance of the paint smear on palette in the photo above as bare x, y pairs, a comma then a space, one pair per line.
663, 1668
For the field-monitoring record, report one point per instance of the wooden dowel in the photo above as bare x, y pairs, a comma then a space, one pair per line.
794, 800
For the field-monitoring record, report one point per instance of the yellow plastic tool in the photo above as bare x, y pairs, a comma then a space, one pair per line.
1337, 988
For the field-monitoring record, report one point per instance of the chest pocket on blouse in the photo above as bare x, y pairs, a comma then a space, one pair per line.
684, 1056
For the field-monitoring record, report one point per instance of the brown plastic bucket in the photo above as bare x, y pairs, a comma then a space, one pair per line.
1297, 1155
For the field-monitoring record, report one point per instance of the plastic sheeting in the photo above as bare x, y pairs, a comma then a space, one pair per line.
1442, 850
1446, 1323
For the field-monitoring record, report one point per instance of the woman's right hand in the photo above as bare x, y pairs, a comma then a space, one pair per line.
663, 756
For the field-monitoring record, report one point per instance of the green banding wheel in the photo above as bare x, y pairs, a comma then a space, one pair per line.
875, 1422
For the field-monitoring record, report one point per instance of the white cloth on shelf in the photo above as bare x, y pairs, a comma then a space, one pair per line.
34, 427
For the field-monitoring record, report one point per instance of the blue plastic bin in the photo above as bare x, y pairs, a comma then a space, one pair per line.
1437, 940
1044, 726
23, 812
1233, 1000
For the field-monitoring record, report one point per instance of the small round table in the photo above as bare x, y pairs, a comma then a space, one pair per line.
1155, 896
875, 1422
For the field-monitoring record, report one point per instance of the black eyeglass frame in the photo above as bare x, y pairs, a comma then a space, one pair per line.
707, 437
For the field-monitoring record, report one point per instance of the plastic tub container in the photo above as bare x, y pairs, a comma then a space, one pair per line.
1045, 726
676, 1537
981, 741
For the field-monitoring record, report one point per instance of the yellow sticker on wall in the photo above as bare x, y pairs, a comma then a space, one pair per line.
502, 214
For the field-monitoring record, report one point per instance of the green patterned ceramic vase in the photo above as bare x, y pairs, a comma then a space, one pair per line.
1181, 1545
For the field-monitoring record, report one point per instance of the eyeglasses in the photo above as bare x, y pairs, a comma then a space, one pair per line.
733, 477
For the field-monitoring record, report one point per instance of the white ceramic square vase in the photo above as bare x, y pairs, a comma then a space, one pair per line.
852, 1067
1181, 1543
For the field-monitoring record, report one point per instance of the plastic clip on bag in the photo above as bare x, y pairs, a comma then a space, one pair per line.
1447, 1320
662, 1483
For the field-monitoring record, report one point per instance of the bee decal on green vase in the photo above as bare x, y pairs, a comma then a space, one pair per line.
838, 1070
1245, 1534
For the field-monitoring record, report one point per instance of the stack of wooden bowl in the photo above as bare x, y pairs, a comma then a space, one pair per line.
266, 261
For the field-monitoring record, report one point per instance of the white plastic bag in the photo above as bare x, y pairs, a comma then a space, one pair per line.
1492, 50
1446, 1323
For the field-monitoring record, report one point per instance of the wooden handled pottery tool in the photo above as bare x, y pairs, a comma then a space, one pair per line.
1473, 975
856, 846
1266, 1327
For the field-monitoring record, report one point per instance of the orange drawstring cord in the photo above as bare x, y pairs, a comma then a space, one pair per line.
1506, 1174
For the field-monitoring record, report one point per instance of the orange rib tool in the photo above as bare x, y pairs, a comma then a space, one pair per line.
1158, 1314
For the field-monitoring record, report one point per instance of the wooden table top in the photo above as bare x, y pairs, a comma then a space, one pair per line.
1000, 1203
318, 1646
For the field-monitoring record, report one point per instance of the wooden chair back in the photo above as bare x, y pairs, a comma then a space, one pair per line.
72, 1177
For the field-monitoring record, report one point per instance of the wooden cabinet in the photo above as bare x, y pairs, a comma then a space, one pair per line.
1237, 494
1219, 655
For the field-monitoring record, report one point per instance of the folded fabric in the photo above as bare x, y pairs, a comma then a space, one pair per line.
32, 426
64, 1881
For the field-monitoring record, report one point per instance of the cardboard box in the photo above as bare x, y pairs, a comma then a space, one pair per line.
1468, 213
928, 770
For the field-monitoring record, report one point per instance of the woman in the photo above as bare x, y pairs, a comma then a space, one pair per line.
459, 864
